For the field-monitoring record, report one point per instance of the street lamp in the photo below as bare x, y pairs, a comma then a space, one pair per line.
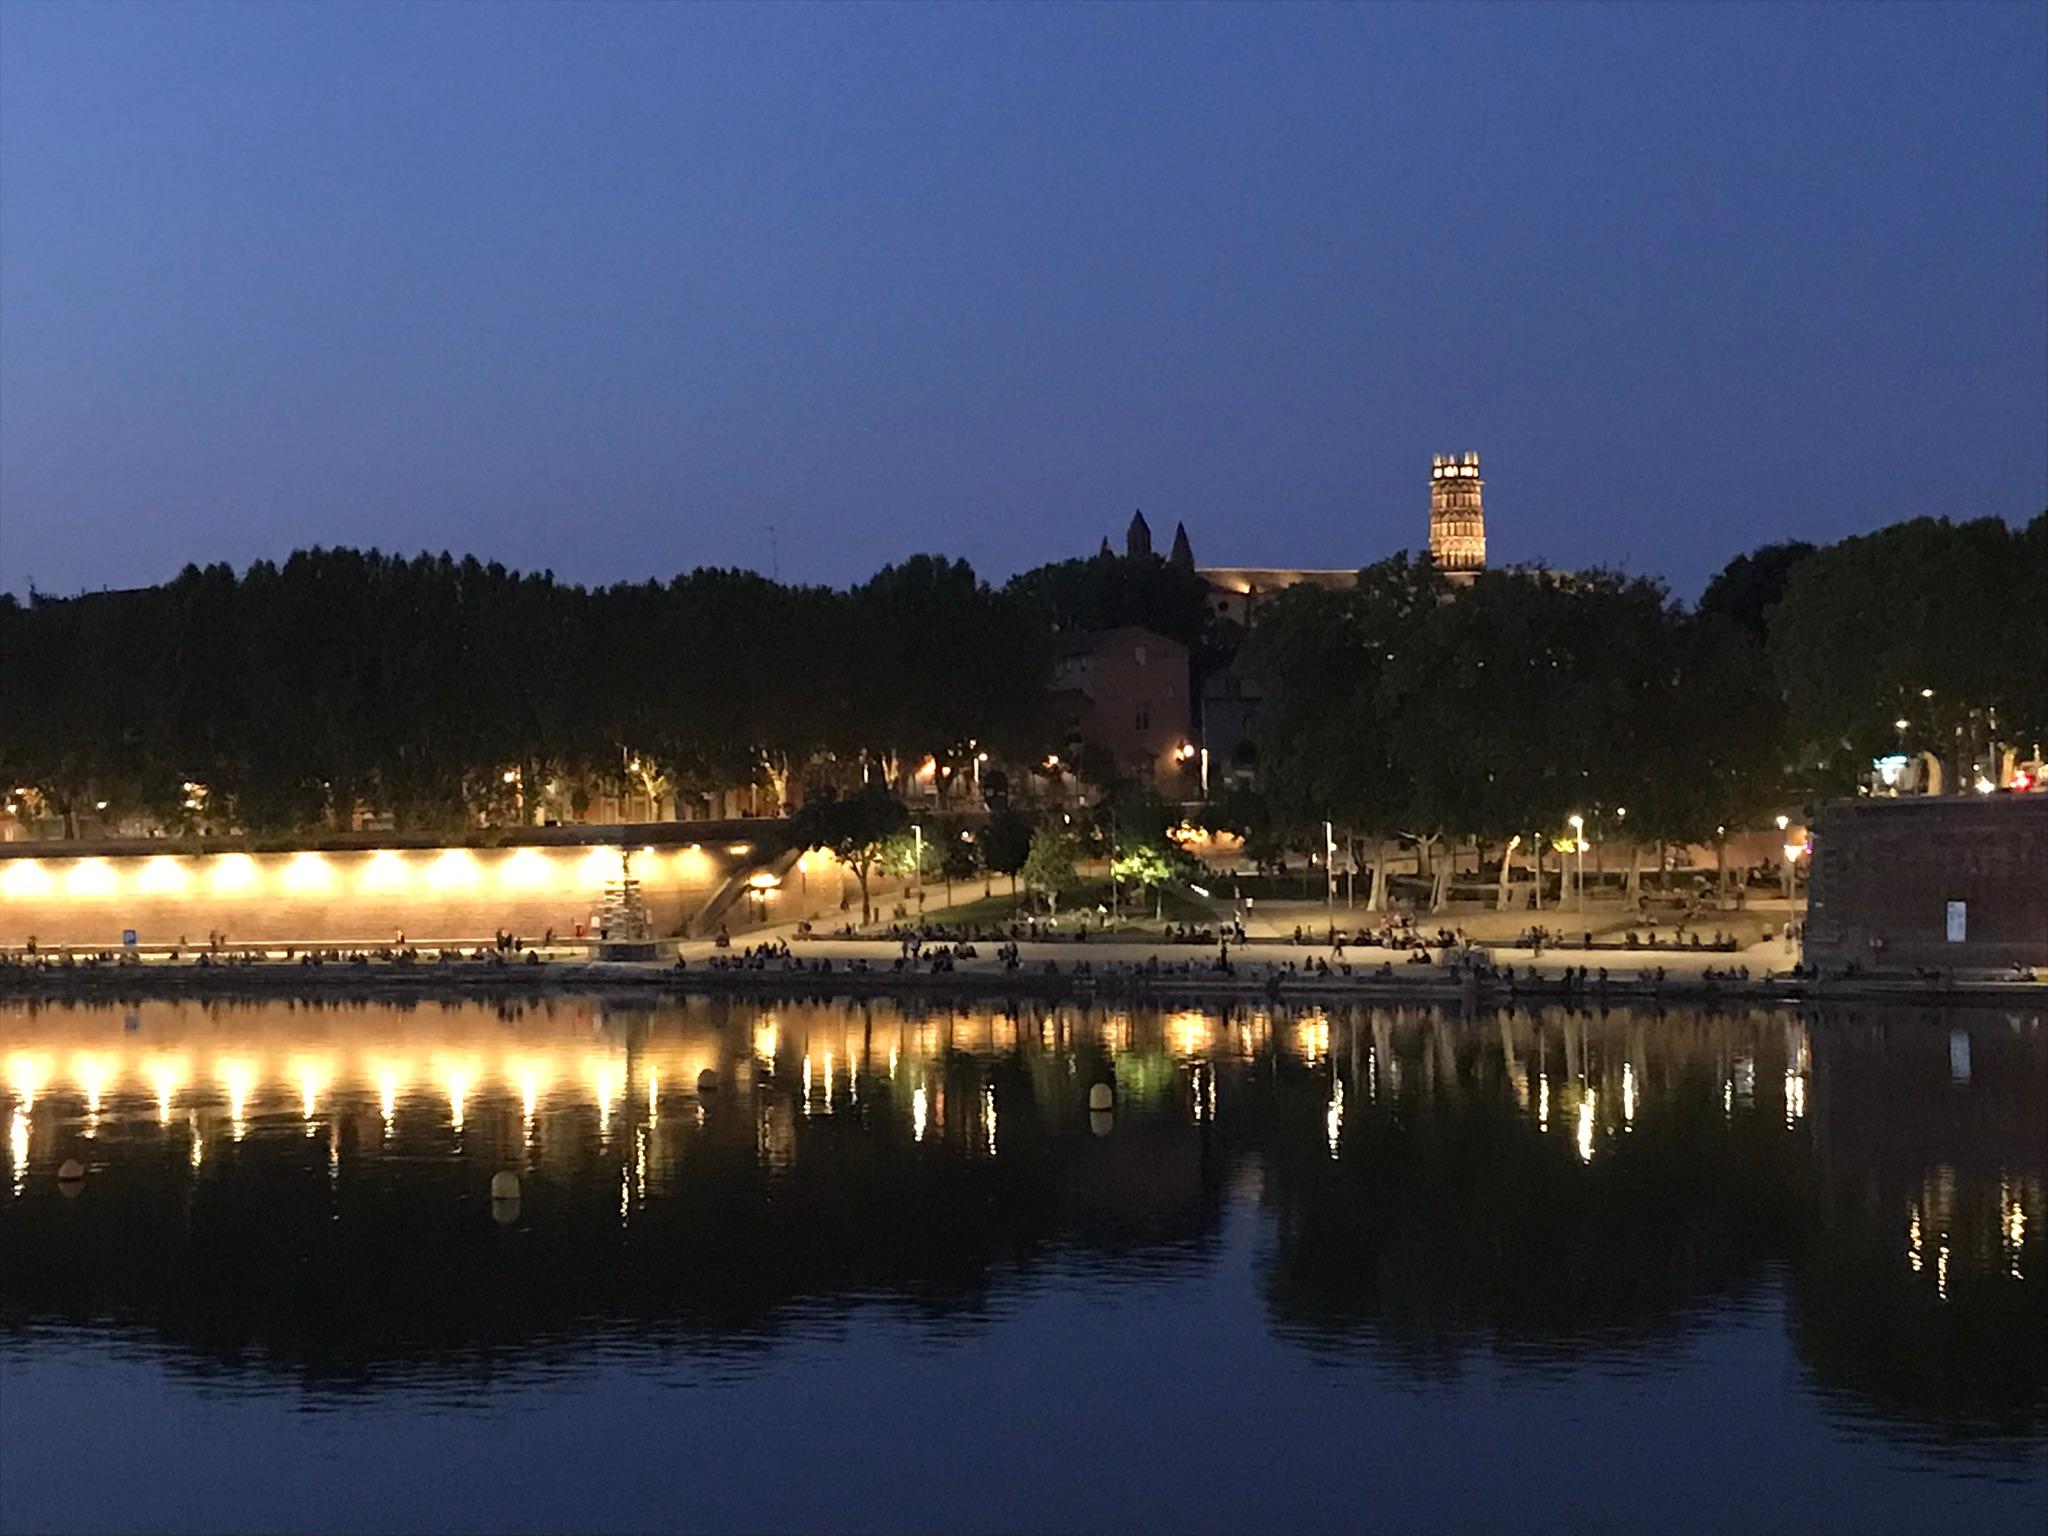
1578, 825
1791, 853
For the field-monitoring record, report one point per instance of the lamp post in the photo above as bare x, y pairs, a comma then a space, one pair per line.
1579, 846
1785, 822
917, 834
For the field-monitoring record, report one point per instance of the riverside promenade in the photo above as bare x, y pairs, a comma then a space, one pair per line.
784, 960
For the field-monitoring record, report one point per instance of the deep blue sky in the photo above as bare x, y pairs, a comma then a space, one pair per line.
611, 289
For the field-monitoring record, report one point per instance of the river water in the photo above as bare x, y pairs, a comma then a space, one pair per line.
844, 1265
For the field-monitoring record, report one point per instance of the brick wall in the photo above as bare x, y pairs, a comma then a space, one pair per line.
1887, 869
357, 895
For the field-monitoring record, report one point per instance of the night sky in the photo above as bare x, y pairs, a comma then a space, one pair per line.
612, 290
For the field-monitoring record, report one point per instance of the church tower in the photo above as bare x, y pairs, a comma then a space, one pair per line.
1138, 538
1457, 523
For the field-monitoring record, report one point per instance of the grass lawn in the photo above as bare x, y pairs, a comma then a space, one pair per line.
1179, 905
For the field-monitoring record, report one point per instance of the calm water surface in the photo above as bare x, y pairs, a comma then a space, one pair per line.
884, 1269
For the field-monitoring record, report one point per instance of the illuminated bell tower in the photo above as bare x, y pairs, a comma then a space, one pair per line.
1457, 523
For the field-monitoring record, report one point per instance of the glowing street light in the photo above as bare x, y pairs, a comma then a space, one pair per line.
1578, 826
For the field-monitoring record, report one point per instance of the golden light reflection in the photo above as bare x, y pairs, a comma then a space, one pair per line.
1628, 1095
988, 1116
93, 1072
237, 1075
27, 1073
1795, 1099
607, 1082
1914, 1241
1312, 1038
166, 1075
531, 1076
456, 1075
313, 1075
2014, 1231
1188, 1033
392, 1076
17, 1144
1333, 1117
1585, 1132
1543, 1101
920, 1112
653, 1094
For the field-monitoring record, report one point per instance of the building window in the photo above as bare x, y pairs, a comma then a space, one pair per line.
1144, 719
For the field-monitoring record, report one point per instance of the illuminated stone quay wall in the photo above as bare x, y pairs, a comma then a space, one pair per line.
361, 895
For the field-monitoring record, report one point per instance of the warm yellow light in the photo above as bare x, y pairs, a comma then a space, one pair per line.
1313, 1037
313, 1076
1578, 823
392, 1076
764, 881
26, 1076
455, 870
17, 1144
531, 1076
308, 874
232, 872
457, 1076
765, 1041
606, 1083
162, 876
920, 1111
384, 871
166, 1076
1189, 1033
24, 879
527, 869
1585, 1134
93, 1072
90, 877
238, 1076
597, 866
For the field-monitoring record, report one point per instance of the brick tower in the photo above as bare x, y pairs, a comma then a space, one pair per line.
1457, 523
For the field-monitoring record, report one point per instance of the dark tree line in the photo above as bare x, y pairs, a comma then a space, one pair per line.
1406, 712
440, 691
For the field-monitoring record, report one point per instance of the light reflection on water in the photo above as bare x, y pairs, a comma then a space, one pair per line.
839, 1218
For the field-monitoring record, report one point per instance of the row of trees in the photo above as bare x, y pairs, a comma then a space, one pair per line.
1402, 711
438, 692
